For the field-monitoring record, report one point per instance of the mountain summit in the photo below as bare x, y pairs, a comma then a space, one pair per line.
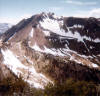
45, 48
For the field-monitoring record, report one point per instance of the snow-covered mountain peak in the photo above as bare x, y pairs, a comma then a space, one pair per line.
58, 42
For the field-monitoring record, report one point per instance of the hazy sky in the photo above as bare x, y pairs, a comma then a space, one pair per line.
14, 10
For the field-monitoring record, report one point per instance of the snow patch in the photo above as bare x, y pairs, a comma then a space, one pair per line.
11, 61
55, 26
31, 62
91, 47
52, 25
38, 80
95, 65
80, 38
72, 58
76, 26
97, 40
36, 47
52, 51
31, 32
47, 33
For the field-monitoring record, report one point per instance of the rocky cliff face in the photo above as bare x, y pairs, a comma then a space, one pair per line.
45, 48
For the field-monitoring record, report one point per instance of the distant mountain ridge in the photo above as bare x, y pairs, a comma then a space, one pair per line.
4, 27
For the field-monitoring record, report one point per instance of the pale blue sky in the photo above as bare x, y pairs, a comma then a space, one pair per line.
17, 9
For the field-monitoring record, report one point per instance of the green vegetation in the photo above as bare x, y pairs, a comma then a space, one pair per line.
10, 86
18, 87
71, 88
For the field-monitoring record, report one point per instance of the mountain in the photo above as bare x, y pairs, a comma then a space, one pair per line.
44, 48
4, 27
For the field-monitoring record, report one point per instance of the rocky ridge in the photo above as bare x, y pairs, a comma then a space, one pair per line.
45, 48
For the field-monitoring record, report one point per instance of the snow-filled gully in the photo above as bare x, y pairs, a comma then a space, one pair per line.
29, 74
